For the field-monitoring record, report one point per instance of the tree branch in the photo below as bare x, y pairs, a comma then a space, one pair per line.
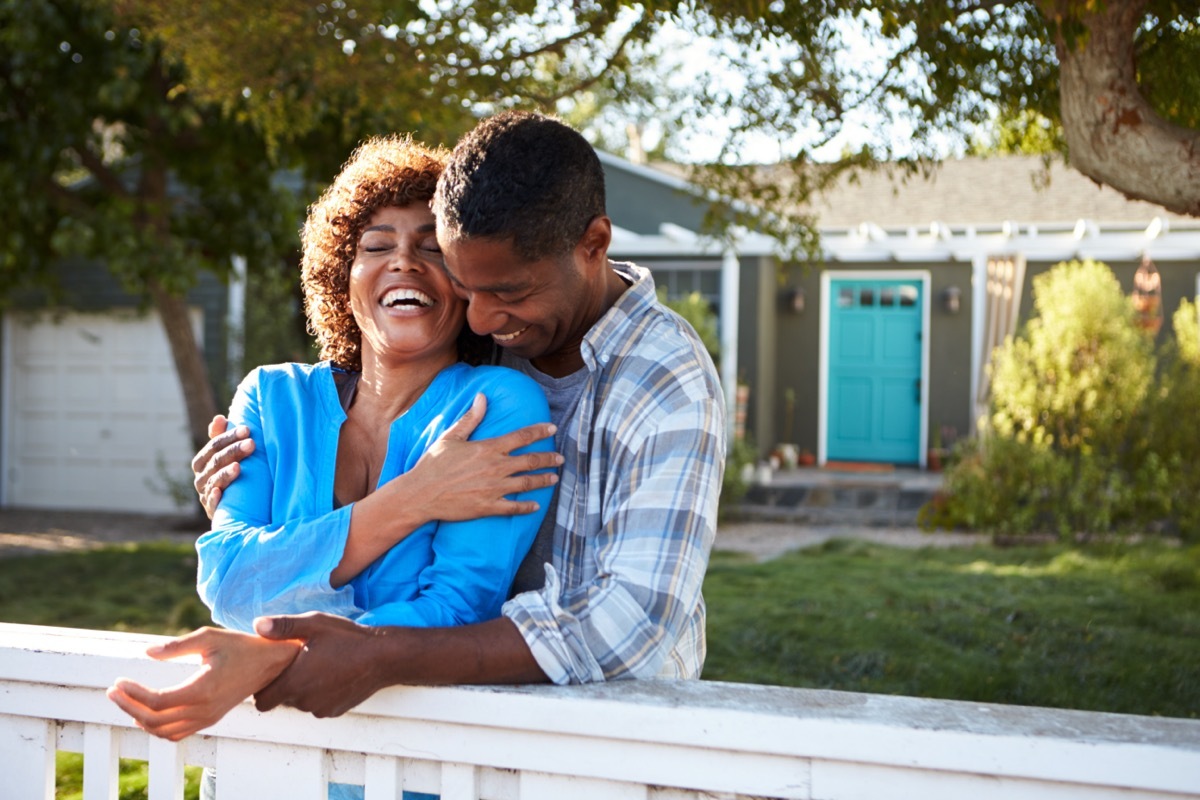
66, 200
100, 171
591, 80
1113, 134
555, 46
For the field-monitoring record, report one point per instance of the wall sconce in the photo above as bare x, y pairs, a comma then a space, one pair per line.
952, 299
794, 300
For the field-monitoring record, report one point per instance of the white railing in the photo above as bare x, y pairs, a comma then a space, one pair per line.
649, 740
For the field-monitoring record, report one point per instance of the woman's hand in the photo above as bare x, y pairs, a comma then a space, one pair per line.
459, 480
235, 666
454, 480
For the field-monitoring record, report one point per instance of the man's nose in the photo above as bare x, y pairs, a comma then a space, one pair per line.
484, 314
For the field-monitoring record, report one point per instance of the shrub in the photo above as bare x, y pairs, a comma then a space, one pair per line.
1171, 438
1067, 448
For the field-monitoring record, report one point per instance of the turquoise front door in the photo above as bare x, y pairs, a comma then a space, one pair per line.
875, 371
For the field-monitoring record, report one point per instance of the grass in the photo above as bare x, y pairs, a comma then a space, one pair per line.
1101, 627
148, 588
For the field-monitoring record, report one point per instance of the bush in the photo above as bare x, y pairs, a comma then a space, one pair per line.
1171, 438
1072, 445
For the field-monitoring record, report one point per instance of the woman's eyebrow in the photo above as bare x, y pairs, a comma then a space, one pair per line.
383, 228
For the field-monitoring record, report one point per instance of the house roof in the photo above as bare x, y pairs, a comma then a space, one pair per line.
960, 192
964, 207
974, 191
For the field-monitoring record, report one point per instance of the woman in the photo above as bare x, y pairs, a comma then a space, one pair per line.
310, 525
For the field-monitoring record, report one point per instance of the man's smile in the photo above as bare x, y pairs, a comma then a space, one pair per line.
508, 337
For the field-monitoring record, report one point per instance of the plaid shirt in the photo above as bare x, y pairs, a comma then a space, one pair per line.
637, 503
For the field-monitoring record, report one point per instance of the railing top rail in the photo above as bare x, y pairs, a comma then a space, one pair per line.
911, 733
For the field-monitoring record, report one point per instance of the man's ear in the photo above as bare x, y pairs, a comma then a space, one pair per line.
593, 245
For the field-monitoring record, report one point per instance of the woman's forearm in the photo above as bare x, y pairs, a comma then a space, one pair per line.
377, 523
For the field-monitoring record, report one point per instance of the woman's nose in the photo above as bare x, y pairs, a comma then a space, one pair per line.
403, 261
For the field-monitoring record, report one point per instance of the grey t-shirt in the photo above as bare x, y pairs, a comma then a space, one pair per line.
563, 396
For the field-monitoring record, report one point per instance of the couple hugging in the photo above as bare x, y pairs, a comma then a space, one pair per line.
394, 517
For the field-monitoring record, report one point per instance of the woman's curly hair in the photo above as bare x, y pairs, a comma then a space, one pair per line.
383, 171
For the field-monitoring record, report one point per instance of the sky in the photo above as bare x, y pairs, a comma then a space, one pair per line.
687, 61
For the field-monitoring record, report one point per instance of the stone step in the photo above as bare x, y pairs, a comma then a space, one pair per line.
836, 500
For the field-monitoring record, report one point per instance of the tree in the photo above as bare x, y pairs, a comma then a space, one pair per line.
107, 155
1119, 79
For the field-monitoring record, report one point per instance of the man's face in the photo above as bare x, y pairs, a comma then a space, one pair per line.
532, 308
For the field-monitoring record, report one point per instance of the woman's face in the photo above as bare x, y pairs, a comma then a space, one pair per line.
399, 293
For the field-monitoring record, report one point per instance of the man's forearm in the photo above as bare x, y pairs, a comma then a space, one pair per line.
343, 663
485, 653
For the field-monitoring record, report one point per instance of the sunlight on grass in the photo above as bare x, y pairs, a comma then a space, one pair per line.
1068, 563
1100, 628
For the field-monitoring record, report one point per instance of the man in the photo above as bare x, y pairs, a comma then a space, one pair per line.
640, 426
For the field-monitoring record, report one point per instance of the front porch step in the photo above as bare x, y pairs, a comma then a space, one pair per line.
817, 497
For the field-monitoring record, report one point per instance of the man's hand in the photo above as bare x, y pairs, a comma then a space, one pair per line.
460, 480
235, 665
216, 465
343, 663
332, 672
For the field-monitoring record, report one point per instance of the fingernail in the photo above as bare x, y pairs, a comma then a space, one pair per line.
242, 431
558, 459
552, 428
263, 625
246, 446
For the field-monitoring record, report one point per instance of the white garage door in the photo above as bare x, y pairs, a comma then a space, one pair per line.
93, 413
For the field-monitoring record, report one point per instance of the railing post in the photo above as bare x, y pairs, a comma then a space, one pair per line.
384, 778
27, 747
101, 763
166, 769
459, 782
263, 769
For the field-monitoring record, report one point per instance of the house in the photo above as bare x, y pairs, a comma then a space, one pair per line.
882, 350
91, 410
873, 355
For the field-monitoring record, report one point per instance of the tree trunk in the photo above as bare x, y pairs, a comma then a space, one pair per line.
189, 362
1113, 135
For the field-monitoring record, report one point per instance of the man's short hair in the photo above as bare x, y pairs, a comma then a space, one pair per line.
525, 177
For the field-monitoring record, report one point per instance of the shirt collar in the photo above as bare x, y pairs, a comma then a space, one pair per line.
611, 330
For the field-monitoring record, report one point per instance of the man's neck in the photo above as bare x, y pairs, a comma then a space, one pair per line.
569, 358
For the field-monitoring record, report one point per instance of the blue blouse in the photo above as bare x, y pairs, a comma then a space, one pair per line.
276, 536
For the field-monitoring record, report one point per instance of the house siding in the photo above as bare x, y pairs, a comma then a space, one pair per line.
87, 286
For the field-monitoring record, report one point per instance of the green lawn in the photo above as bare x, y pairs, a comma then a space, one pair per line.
1103, 628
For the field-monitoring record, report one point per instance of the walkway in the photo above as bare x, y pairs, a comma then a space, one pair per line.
25, 532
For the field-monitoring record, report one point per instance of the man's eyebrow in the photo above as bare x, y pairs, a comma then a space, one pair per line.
495, 288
